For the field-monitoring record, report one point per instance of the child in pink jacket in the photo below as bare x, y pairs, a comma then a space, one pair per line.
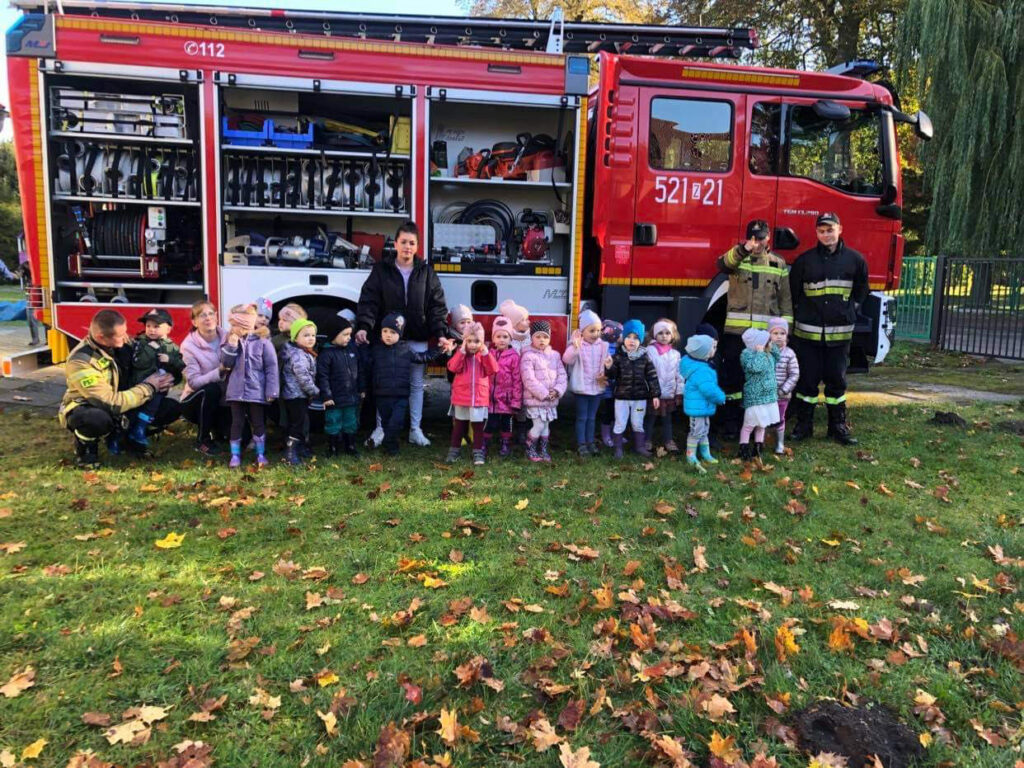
473, 367
544, 383
506, 387
586, 353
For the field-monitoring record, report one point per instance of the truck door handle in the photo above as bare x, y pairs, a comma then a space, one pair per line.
645, 234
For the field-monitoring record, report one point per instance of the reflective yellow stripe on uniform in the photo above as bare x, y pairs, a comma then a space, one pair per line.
830, 288
813, 399
746, 266
746, 320
835, 400
830, 332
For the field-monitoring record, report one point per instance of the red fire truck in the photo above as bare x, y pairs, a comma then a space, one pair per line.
170, 153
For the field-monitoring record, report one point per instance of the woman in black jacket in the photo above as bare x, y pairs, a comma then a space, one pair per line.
409, 287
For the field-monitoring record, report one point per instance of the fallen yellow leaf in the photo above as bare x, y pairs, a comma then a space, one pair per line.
171, 541
522, 504
33, 750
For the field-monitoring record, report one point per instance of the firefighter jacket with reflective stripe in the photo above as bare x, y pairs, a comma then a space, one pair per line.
758, 289
827, 289
93, 378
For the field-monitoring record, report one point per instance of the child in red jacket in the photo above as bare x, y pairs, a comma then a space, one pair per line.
473, 367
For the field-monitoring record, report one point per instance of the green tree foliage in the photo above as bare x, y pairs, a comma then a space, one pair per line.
633, 11
10, 206
966, 60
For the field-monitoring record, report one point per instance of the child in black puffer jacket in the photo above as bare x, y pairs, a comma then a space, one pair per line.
339, 377
636, 382
390, 375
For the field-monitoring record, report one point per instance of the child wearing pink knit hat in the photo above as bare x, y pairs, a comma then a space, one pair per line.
506, 387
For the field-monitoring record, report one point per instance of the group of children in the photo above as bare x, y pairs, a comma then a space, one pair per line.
516, 380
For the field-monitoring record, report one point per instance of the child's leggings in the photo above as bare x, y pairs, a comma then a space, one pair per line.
541, 428
238, 414
500, 423
782, 415
606, 411
459, 427
748, 427
586, 417
666, 425
632, 412
298, 418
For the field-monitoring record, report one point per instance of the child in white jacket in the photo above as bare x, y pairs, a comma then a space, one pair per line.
665, 356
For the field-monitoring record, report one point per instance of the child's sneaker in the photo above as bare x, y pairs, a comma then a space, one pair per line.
454, 454
479, 457
583, 450
671, 446
376, 438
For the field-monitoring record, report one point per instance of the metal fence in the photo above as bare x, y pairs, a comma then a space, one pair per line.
979, 306
915, 298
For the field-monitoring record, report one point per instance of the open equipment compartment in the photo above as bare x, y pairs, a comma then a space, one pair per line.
314, 174
125, 183
502, 182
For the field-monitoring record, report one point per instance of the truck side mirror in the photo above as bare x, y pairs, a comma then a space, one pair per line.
888, 194
923, 126
831, 110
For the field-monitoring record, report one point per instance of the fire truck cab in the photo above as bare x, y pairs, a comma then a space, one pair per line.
686, 153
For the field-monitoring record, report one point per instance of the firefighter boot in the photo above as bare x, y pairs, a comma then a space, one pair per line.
838, 429
804, 428
87, 452
640, 444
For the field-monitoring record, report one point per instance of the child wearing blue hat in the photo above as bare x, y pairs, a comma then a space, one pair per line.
701, 396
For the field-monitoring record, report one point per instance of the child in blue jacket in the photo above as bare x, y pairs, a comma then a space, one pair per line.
701, 396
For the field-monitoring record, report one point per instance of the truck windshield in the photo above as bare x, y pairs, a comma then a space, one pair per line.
844, 154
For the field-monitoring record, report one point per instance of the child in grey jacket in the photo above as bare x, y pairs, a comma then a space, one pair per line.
787, 372
298, 372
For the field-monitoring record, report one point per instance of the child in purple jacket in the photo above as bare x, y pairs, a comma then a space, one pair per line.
253, 379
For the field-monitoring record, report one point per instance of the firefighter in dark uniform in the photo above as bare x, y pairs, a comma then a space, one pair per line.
829, 282
758, 291
94, 404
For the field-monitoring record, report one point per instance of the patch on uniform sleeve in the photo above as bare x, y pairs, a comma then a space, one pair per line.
101, 362
86, 379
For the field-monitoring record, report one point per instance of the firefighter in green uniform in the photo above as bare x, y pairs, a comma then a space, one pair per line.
94, 406
829, 282
758, 291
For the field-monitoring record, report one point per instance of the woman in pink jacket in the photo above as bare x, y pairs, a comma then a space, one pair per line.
544, 383
474, 367
506, 386
586, 354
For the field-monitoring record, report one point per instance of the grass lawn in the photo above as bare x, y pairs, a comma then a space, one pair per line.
909, 362
369, 612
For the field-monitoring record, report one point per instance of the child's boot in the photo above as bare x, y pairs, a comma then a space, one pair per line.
671, 446
704, 452
291, 451
617, 442
640, 444
349, 444
236, 454
305, 449
488, 437
479, 457
531, 449
332, 445
137, 433
454, 454
691, 459
542, 449
606, 435
757, 451
746, 454
260, 446
506, 445
583, 449
780, 440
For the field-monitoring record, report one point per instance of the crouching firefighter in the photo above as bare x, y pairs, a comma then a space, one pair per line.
93, 406
758, 291
828, 282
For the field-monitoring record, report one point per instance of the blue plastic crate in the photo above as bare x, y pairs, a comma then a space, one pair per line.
289, 140
245, 138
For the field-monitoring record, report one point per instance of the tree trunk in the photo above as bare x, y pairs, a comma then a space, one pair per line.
848, 39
